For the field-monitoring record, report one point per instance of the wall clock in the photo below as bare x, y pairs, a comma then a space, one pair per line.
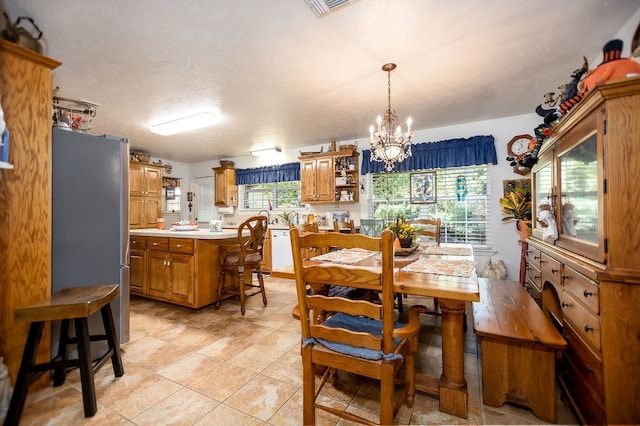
517, 147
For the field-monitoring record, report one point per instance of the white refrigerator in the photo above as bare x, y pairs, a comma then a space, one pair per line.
90, 219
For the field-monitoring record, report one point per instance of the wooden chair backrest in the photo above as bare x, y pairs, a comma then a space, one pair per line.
371, 227
427, 227
344, 227
251, 234
308, 227
314, 306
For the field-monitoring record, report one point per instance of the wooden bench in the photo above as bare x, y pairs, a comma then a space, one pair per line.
519, 347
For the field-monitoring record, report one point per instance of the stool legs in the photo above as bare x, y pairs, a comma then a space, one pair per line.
25, 376
86, 368
112, 340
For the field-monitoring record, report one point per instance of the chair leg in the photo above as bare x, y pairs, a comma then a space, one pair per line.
23, 380
308, 387
112, 340
400, 305
220, 285
261, 283
86, 367
60, 372
241, 288
386, 395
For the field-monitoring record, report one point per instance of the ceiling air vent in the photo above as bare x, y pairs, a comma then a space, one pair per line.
324, 7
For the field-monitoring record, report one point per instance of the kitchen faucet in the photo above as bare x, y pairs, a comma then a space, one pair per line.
268, 215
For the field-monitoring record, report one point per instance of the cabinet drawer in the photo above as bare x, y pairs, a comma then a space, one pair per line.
582, 288
534, 291
585, 323
181, 245
590, 408
550, 269
137, 243
587, 364
157, 243
533, 275
533, 256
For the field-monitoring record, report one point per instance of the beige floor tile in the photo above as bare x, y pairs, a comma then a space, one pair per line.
188, 368
222, 381
139, 398
287, 368
257, 357
224, 415
185, 407
225, 348
261, 397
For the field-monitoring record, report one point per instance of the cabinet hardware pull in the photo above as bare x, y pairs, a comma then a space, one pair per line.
566, 277
543, 261
587, 293
589, 370
564, 304
554, 271
156, 244
536, 257
178, 245
588, 328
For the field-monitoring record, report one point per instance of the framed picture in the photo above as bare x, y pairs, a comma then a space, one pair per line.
511, 184
422, 188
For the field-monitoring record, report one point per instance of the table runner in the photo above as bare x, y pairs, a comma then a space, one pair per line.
457, 268
452, 251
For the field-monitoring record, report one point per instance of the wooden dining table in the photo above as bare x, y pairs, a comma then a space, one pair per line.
453, 288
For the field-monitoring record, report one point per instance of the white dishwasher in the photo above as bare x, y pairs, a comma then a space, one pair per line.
280, 248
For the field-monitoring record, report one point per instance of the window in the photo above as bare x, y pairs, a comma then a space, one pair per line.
171, 199
275, 195
464, 216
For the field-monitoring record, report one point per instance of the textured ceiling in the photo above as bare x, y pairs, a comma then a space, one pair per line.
282, 77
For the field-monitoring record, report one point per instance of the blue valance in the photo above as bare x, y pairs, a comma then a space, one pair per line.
476, 150
280, 173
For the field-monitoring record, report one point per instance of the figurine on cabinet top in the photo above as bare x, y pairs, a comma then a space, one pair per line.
546, 219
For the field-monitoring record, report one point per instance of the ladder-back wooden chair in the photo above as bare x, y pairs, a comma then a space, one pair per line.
429, 228
357, 336
242, 258
344, 227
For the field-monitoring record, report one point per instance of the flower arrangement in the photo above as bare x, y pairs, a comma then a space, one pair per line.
402, 229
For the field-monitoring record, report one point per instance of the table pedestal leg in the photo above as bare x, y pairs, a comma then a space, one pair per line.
453, 386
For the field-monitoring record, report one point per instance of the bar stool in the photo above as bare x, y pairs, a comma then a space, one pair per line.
77, 304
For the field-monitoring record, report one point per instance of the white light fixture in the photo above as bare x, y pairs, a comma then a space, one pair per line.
265, 152
389, 146
186, 124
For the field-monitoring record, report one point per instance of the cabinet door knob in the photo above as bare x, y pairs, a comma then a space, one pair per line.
587, 293
178, 245
565, 304
156, 244
565, 277
554, 271
588, 328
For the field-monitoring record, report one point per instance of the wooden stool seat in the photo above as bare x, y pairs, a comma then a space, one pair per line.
77, 304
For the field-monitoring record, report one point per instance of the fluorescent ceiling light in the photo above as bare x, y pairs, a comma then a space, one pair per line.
264, 152
186, 124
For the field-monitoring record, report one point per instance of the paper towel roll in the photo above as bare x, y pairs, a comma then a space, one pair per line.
225, 210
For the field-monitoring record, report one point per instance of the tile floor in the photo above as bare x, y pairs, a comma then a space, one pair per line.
215, 367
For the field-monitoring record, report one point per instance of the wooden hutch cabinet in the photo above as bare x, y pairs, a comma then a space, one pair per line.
330, 177
588, 280
145, 195
226, 190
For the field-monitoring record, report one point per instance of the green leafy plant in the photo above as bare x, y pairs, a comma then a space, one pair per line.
517, 204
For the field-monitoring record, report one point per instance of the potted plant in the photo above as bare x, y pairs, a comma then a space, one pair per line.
404, 232
517, 205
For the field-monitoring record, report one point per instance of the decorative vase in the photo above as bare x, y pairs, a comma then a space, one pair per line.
525, 230
406, 242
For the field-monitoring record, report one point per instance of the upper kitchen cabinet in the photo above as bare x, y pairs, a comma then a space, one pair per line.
25, 197
145, 195
226, 190
330, 177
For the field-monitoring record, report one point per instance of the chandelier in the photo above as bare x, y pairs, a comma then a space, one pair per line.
388, 146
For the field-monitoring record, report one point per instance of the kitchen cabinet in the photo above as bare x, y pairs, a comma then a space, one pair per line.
182, 271
226, 190
145, 195
137, 262
25, 198
171, 269
590, 276
330, 177
265, 265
